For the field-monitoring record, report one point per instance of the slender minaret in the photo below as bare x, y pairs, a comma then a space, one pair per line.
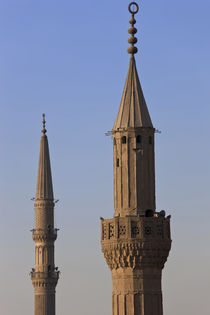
44, 276
136, 242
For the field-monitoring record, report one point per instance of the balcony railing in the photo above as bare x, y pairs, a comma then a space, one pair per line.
44, 275
44, 231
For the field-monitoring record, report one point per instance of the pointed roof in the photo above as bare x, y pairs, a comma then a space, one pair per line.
44, 187
133, 111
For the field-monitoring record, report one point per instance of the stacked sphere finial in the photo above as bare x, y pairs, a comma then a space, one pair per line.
43, 123
133, 9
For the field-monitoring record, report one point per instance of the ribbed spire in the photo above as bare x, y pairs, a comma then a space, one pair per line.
133, 111
44, 188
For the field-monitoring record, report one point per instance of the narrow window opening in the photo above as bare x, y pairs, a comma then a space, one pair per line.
138, 139
150, 139
114, 141
149, 213
118, 162
124, 139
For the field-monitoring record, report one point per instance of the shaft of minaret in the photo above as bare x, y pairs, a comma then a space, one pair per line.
45, 275
136, 241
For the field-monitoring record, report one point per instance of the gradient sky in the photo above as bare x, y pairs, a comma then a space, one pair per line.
68, 59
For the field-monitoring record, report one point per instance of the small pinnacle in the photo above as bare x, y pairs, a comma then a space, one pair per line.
44, 122
132, 30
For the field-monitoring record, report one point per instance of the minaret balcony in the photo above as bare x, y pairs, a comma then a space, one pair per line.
136, 242
134, 227
54, 274
49, 234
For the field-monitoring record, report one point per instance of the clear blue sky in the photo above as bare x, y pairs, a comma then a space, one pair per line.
68, 59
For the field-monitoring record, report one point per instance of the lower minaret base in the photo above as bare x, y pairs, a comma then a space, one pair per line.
44, 292
136, 249
136, 292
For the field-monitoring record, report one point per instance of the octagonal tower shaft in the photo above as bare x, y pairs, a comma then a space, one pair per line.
44, 276
133, 152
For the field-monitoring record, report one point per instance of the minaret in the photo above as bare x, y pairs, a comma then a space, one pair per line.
136, 241
44, 276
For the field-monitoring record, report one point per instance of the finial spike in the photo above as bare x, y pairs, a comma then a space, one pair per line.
132, 30
43, 123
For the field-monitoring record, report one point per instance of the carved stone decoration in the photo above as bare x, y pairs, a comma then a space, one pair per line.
122, 230
111, 231
134, 252
148, 230
136, 261
135, 231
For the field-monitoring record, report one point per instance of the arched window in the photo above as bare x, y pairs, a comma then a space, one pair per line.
150, 139
124, 139
138, 139
149, 213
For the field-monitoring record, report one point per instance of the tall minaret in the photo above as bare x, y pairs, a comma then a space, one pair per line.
44, 276
137, 241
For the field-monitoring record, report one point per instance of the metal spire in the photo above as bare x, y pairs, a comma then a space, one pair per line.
43, 123
133, 9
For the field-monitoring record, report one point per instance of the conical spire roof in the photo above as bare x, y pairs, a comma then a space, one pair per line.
133, 111
44, 187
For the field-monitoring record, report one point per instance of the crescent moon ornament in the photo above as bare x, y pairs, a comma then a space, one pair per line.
136, 8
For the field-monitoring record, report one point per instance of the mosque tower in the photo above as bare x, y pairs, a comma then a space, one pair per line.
136, 241
45, 275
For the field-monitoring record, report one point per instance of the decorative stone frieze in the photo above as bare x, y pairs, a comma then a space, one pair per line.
135, 228
41, 235
135, 242
45, 280
46, 204
136, 249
